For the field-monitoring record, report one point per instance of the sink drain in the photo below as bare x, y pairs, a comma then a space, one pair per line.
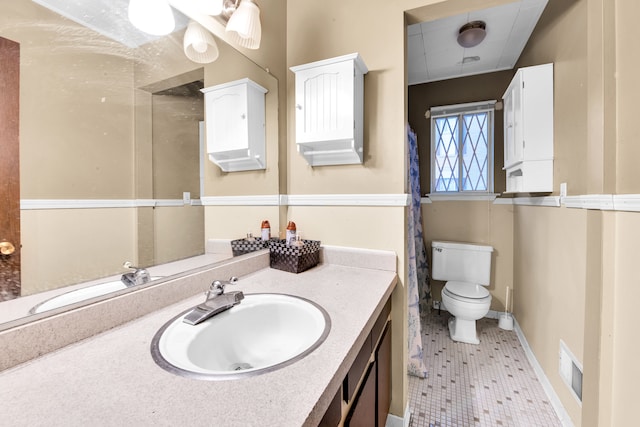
240, 366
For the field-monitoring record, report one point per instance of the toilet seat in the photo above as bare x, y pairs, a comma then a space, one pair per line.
465, 291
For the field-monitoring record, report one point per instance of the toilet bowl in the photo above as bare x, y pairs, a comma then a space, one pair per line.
467, 302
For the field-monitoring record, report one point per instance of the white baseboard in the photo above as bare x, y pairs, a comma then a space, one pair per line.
395, 421
544, 381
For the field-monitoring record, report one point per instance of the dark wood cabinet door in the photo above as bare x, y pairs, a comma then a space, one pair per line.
363, 411
383, 358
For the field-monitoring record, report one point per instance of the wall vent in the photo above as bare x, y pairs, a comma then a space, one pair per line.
570, 371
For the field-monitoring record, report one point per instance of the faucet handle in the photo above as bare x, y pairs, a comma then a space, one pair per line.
217, 286
129, 264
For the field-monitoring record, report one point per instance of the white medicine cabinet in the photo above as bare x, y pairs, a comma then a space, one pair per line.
528, 130
329, 108
235, 125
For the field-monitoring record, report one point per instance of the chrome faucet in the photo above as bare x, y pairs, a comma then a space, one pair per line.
216, 302
139, 276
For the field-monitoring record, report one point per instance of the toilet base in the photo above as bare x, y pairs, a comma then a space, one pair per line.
463, 330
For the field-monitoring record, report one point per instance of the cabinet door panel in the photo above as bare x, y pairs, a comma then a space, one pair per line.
324, 103
363, 411
358, 367
383, 363
226, 120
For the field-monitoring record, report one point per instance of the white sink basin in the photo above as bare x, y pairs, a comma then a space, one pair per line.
81, 294
263, 333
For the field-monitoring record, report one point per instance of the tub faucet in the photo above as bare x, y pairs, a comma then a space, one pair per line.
139, 276
216, 302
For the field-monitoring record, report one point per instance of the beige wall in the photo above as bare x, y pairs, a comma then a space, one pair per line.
178, 233
65, 246
628, 88
550, 250
75, 122
176, 145
234, 222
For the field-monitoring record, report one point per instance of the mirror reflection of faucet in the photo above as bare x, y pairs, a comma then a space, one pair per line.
216, 302
139, 276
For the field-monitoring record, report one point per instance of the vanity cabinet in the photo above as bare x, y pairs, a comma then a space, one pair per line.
365, 395
329, 110
528, 130
235, 125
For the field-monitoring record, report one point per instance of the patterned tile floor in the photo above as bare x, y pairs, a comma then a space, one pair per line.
491, 384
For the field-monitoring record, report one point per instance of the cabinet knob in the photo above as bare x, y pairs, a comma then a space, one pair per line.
243, 116
7, 248
299, 107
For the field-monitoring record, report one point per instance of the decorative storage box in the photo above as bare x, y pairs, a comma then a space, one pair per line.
244, 246
294, 259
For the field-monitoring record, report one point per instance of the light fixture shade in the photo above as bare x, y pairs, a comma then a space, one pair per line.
472, 34
244, 25
211, 7
199, 44
152, 16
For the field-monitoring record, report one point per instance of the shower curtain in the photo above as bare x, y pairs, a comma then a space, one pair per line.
418, 269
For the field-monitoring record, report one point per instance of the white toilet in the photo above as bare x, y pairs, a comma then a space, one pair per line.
467, 269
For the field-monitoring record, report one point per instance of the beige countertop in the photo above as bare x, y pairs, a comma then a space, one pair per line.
111, 379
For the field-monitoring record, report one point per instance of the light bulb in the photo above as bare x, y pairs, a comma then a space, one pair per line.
154, 17
200, 46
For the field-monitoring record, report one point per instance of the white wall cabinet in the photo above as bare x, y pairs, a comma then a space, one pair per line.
528, 130
329, 110
235, 125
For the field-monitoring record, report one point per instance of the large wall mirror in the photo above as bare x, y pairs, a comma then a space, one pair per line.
111, 147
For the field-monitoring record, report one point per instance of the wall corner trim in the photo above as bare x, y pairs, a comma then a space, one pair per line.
552, 201
267, 200
589, 201
400, 199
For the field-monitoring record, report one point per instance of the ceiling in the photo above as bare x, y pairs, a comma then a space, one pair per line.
107, 17
434, 53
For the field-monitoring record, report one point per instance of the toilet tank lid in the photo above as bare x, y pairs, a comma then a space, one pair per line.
461, 246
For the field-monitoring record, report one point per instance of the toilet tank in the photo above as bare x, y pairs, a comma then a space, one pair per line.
463, 262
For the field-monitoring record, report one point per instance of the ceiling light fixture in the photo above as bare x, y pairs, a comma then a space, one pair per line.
199, 44
471, 34
152, 16
244, 25
212, 7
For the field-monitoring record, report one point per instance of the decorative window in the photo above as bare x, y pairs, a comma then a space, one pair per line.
462, 148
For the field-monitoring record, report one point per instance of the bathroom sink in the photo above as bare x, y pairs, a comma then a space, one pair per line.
263, 333
81, 294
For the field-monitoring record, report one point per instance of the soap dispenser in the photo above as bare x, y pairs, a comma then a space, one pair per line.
291, 233
266, 231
